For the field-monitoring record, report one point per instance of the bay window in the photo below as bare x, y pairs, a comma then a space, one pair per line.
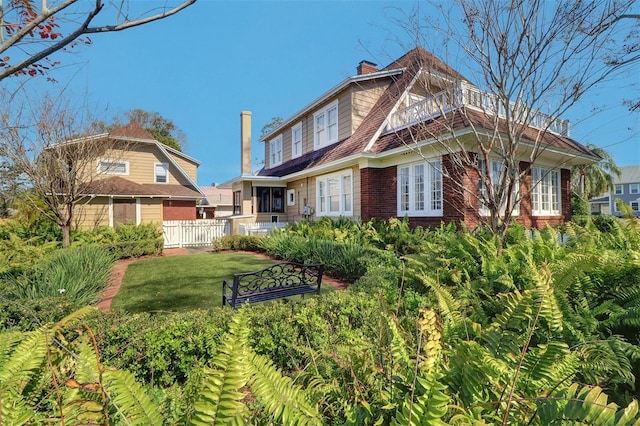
334, 194
420, 189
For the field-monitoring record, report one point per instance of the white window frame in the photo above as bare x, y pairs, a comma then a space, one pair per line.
419, 189
619, 189
634, 188
546, 182
164, 166
334, 194
296, 140
291, 197
496, 171
106, 171
275, 151
325, 130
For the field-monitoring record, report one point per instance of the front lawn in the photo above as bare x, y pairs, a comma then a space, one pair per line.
181, 283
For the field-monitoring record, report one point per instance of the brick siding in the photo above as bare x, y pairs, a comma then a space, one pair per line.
178, 210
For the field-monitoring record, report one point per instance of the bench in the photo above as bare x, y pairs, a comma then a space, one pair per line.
274, 282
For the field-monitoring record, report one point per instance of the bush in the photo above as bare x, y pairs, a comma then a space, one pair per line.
28, 315
76, 274
238, 242
124, 241
579, 206
605, 222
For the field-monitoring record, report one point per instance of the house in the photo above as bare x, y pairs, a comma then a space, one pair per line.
218, 204
372, 147
134, 178
626, 188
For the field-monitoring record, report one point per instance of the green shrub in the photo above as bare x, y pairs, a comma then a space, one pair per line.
124, 241
76, 274
579, 206
238, 242
605, 222
28, 315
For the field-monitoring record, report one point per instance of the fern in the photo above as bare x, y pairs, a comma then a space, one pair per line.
129, 398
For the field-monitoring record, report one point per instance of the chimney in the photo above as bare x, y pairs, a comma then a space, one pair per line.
366, 67
245, 142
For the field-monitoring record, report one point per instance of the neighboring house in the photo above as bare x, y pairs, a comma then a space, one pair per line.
136, 179
219, 203
626, 188
352, 153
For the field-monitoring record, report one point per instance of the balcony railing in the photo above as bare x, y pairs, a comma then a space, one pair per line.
465, 95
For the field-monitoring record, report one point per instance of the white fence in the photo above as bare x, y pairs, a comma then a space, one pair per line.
191, 233
259, 228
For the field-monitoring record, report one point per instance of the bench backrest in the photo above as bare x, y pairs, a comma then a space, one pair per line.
280, 275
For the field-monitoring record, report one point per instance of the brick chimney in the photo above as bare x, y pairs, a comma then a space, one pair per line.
245, 142
366, 67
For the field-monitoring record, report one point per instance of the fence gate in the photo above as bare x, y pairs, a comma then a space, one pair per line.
192, 233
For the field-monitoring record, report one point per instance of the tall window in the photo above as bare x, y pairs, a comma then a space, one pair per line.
113, 167
275, 151
325, 126
237, 200
162, 173
545, 195
420, 189
296, 141
499, 177
334, 194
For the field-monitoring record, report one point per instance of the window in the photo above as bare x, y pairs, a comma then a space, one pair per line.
335, 194
162, 173
296, 141
634, 188
291, 197
420, 189
619, 190
275, 151
237, 195
325, 126
634, 206
113, 167
498, 178
545, 195
270, 200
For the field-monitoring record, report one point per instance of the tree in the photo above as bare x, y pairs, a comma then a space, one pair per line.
162, 129
531, 62
270, 126
50, 146
591, 180
31, 31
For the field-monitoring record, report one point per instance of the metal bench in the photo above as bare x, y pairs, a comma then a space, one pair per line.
274, 282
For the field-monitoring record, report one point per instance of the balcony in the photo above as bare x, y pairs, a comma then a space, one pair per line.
465, 95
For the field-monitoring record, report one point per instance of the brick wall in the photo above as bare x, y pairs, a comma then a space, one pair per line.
378, 193
179, 210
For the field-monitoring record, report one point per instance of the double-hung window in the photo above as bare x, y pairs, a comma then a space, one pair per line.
162, 173
619, 189
334, 194
275, 151
113, 167
420, 189
296, 141
545, 194
634, 188
325, 126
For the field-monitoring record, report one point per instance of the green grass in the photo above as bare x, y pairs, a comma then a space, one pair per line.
182, 283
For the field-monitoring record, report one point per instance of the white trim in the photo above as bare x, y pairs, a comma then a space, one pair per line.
637, 188
324, 200
615, 189
163, 149
293, 140
275, 146
543, 179
155, 171
138, 211
110, 212
424, 177
324, 114
112, 161
291, 197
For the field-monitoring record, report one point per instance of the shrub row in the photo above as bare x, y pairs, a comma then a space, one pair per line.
237, 242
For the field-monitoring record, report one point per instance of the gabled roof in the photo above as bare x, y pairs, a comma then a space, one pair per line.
132, 130
369, 137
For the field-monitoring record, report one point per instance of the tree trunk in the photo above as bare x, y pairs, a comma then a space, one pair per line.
66, 235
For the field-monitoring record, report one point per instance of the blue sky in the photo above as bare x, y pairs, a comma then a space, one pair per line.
203, 66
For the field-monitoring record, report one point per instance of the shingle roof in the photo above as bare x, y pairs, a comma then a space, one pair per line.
412, 63
132, 130
119, 186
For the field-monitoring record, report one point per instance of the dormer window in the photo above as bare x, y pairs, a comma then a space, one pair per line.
275, 151
325, 126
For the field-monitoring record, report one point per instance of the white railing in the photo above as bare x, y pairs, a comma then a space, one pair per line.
193, 233
260, 228
471, 97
